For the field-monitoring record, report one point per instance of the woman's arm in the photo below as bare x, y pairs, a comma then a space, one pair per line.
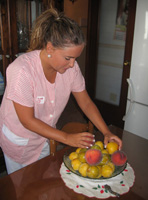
26, 117
92, 112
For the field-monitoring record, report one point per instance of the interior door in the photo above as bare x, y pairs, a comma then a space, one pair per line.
109, 50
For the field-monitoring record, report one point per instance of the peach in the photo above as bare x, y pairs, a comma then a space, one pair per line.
93, 156
119, 158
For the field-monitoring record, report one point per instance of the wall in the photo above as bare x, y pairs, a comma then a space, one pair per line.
110, 55
75, 12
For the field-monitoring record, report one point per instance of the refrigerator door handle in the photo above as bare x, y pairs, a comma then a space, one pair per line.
131, 99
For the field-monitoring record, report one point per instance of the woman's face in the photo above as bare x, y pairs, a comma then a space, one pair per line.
63, 59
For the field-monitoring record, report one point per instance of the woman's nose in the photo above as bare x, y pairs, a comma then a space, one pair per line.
72, 61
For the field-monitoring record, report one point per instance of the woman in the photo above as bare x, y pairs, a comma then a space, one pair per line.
39, 84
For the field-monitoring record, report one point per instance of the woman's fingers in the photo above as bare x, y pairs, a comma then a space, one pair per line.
112, 138
82, 140
89, 139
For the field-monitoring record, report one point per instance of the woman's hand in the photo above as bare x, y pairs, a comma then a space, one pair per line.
82, 140
110, 137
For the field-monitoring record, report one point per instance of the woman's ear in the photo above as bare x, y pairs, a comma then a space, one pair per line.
49, 48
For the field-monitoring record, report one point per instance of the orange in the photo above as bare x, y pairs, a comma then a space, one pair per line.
100, 144
73, 155
100, 170
81, 157
106, 171
112, 147
78, 150
104, 151
83, 169
75, 163
111, 165
83, 150
96, 147
105, 159
92, 171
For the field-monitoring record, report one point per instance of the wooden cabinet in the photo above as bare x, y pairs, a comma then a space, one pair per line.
16, 19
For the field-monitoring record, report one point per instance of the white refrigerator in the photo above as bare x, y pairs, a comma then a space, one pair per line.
136, 118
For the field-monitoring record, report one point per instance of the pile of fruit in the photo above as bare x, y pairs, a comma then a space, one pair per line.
97, 161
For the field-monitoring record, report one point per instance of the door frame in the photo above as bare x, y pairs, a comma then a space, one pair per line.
107, 110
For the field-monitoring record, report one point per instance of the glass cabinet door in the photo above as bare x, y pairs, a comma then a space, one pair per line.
16, 20
4, 42
26, 13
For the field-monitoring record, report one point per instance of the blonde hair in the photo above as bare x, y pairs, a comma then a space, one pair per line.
56, 28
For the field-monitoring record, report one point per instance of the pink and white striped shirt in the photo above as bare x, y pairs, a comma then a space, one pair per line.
27, 85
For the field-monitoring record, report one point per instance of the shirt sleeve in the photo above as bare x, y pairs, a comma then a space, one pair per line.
20, 87
78, 84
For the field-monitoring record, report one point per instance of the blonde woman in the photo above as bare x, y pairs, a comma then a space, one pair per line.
39, 84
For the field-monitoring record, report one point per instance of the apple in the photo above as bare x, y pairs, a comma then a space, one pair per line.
119, 158
93, 156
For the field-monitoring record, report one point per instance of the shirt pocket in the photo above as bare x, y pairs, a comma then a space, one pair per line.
14, 138
12, 145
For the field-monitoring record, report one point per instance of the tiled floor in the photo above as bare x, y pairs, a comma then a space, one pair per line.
70, 113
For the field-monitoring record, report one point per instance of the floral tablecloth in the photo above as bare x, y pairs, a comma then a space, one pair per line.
95, 188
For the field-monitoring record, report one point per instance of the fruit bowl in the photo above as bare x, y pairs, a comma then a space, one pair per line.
67, 162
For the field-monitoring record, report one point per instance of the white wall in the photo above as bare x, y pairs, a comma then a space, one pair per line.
110, 55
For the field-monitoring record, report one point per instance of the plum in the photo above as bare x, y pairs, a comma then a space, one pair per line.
93, 156
119, 158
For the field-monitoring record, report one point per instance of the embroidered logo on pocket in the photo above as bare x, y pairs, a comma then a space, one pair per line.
40, 99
